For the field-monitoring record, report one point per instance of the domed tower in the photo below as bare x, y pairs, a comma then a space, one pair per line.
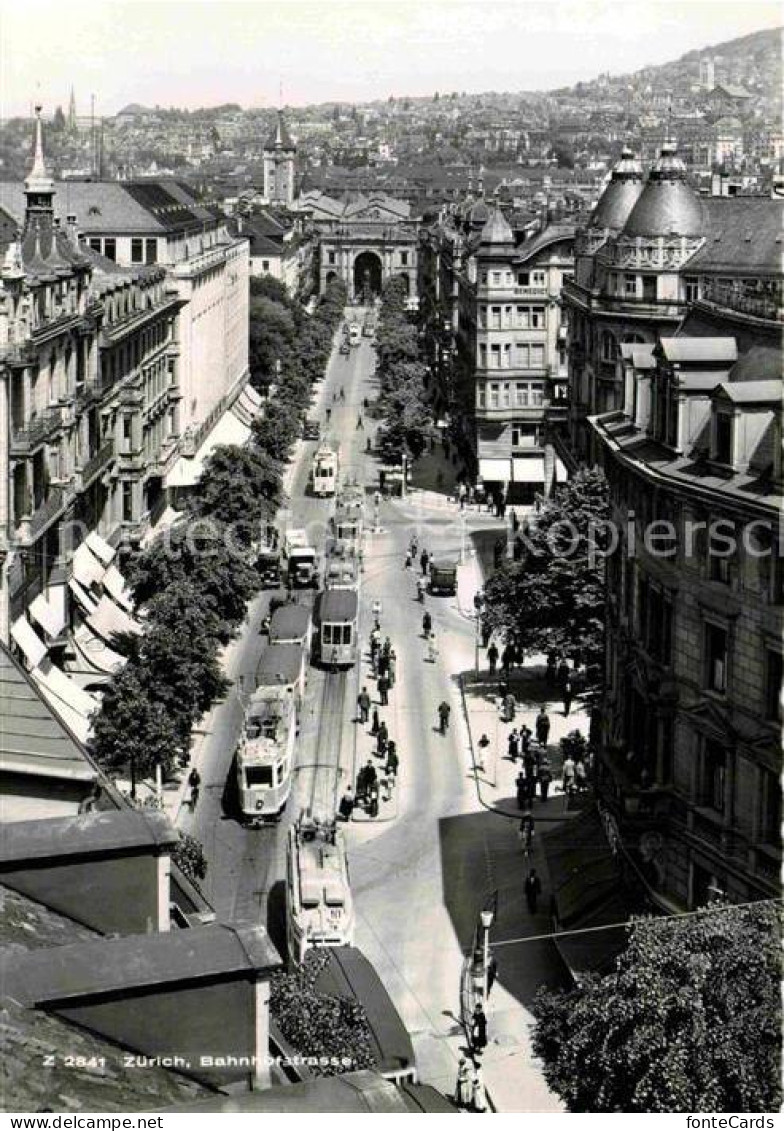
38, 186
610, 214
279, 154
667, 207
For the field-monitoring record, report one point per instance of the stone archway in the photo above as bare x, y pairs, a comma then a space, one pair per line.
367, 276
406, 283
330, 277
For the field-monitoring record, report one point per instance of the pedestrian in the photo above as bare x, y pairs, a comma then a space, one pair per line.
407, 564
522, 790
464, 1091
421, 589
382, 664
507, 659
478, 1029
346, 807
432, 650
461, 495
568, 775
360, 425
424, 559
512, 745
542, 727
381, 739
383, 690
509, 706
392, 672
492, 657
580, 776
482, 746
533, 889
492, 973
363, 702
563, 671
342, 394
478, 1093
567, 697
552, 667
444, 711
413, 546
515, 520
525, 739
529, 769
376, 723
386, 647
370, 775
328, 414
393, 761
427, 625
545, 777
194, 781
525, 833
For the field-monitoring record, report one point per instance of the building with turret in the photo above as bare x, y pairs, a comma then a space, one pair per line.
280, 153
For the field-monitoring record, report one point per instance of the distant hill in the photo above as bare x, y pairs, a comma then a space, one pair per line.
753, 60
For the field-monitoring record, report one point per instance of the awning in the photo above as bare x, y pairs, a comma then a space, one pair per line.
96, 653
87, 603
561, 474
187, 470
247, 405
109, 619
86, 567
495, 470
102, 550
50, 617
169, 516
31, 644
114, 584
73, 705
530, 470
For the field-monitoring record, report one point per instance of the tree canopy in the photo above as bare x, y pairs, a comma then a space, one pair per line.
403, 400
239, 486
689, 1021
552, 598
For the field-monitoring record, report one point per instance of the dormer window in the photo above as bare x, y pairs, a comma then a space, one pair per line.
723, 438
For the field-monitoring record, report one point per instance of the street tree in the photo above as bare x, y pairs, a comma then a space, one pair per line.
276, 429
134, 729
690, 1020
240, 486
552, 598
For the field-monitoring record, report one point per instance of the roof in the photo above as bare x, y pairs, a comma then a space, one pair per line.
279, 138
496, 231
349, 1092
667, 205
621, 194
752, 392
85, 834
33, 739
280, 664
760, 363
639, 354
741, 232
337, 604
552, 234
134, 962
349, 974
699, 349
289, 622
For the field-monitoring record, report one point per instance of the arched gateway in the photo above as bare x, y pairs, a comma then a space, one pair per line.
367, 276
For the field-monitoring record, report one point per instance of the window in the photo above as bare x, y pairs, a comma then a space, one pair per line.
521, 395
649, 288
265, 264
630, 286
521, 355
482, 356
110, 248
523, 278
691, 289
496, 278
722, 452
127, 502
493, 395
404, 258
137, 251
537, 278
495, 317
537, 317
537, 357
495, 357
505, 396
151, 251
715, 658
773, 678
95, 243
331, 257
714, 769
770, 812
480, 397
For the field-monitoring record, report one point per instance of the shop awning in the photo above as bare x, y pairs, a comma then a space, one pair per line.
87, 603
561, 474
187, 470
95, 653
114, 584
101, 548
109, 619
49, 616
86, 567
530, 470
495, 470
247, 405
31, 644
73, 705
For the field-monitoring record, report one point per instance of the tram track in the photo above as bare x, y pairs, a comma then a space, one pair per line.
319, 780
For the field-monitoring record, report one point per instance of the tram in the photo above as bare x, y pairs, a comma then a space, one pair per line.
341, 571
319, 907
336, 615
348, 520
324, 471
282, 667
265, 755
291, 624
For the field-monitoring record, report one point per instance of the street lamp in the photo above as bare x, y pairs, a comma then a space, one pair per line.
478, 601
486, 918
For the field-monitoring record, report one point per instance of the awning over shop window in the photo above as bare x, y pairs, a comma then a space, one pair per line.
87, 603
561, 474
247, 405
109, 619
187, 470
101, 548
114, 584
494, 470
95, 654
70, 702
31, 644
48, 615
86, 567
529, 470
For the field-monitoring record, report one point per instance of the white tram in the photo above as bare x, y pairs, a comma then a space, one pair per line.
324, 472
319, 907
265, 755
337, 643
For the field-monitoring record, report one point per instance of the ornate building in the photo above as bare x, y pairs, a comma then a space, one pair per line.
365, 241
279, 156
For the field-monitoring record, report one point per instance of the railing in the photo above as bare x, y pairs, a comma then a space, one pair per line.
37, 429
745, 299
97, 463
52, 506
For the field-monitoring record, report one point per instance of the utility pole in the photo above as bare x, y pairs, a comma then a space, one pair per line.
92, 133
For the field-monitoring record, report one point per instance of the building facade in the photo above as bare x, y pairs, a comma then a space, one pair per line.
279, 157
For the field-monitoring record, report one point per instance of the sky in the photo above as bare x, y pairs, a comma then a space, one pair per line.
191, 53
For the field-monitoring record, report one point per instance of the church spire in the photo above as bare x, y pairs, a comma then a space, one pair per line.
39, 186
71, 122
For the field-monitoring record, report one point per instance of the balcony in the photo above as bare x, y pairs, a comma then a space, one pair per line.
45, 515
744, 299
39, 428
96, 464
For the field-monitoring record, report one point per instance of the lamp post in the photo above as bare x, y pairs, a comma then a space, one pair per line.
486, 917
478, 601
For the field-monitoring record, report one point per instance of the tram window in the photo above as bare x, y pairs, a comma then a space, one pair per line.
281, 774
326, 633
258, 775
346, 634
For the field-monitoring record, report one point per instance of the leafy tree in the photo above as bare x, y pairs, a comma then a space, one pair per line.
188, 855
265, 286
271, 333
317, 1024
689, 1021
552, 598
135, 727
239, 487
563, 152
276, 430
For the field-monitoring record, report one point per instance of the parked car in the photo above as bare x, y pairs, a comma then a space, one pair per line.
311, 430
345, 347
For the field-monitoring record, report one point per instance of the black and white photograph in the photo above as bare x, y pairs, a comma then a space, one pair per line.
391, 581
